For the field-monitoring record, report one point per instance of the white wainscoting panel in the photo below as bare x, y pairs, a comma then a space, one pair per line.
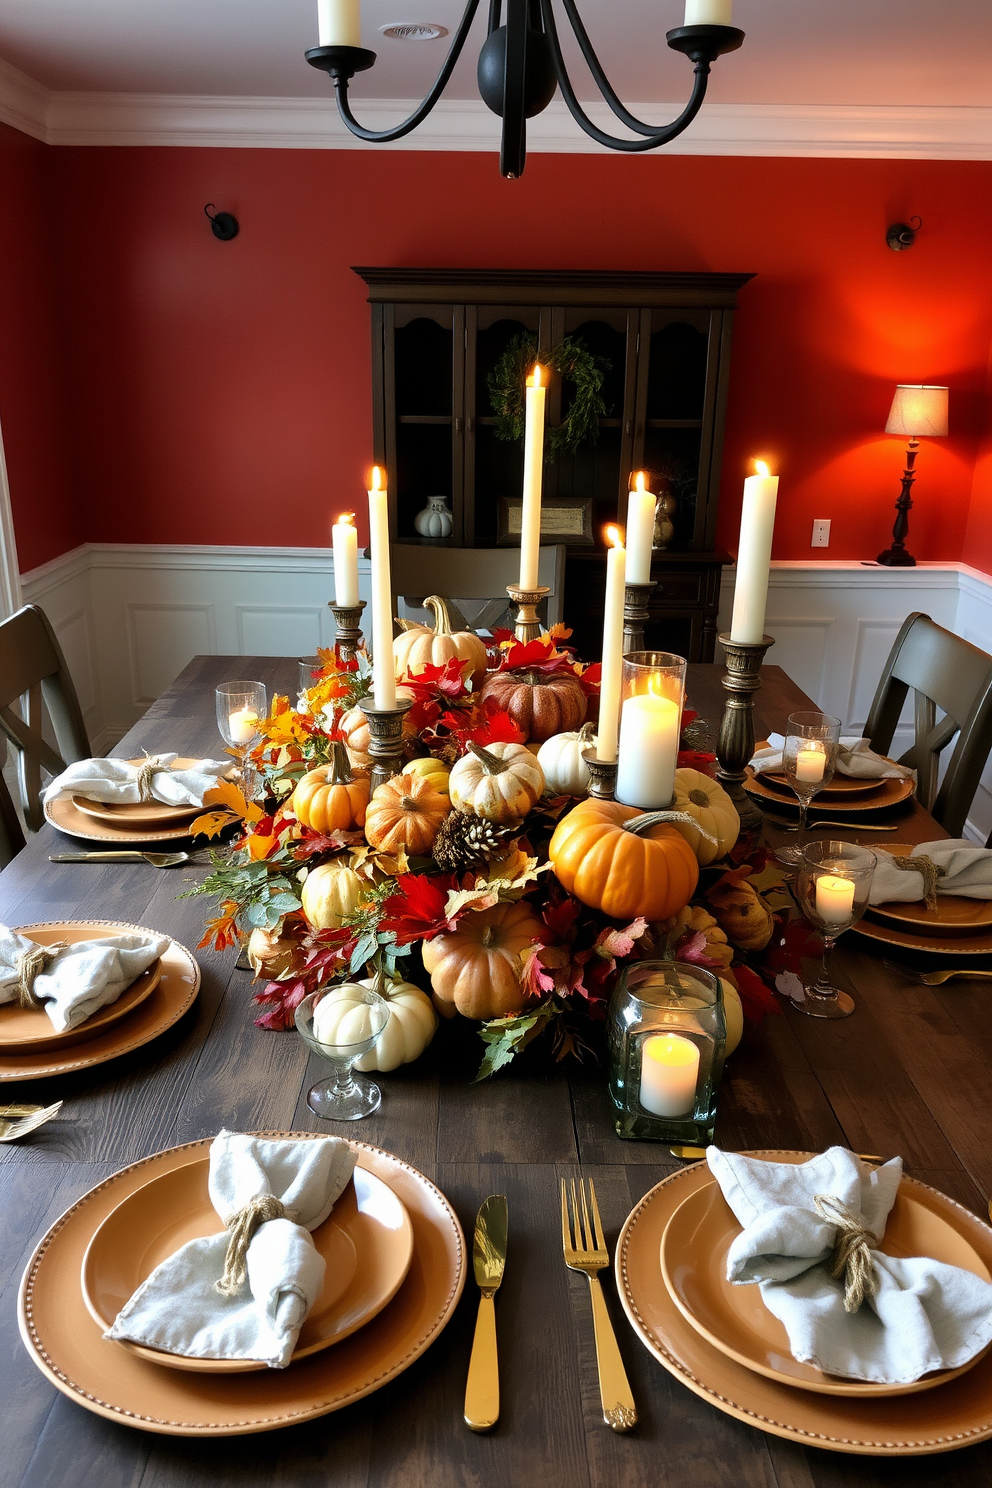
130, 617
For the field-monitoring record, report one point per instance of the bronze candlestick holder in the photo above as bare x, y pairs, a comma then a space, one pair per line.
735, 744
602, 775
528, 626
348, 623
385, 738
635, 615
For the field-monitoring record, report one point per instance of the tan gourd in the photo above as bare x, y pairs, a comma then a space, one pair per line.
741, 913
421, 645
501, 782
706, 801
475, 968
330, 893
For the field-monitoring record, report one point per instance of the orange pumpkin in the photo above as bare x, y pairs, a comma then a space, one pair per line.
420, 646
475, 968
330, 798
623, 862
541, 704
405, 812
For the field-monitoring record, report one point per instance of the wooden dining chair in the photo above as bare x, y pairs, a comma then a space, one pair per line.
475, 580
33, 671
11, 835
951, 675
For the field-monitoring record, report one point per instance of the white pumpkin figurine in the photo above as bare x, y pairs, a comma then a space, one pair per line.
560, 757
435, 520
410, 1026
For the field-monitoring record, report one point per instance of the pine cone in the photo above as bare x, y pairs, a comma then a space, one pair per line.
467, 841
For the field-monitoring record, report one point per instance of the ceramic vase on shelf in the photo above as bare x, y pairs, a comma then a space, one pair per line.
435, 520
664, 526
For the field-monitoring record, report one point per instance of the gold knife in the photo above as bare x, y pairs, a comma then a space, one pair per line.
488, 1260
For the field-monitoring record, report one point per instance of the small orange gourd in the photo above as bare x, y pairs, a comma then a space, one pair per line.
331, 798
622, 861
405, 812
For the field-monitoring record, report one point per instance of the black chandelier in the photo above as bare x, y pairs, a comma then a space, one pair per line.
521, 66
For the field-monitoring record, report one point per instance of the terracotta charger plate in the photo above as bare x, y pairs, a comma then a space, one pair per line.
143, 814
140, 821
840, 785
68, 1347
735, 1320
954, 915
30, 1031
956, 1415
887, 793
166, 1002
367, 1242
936, 942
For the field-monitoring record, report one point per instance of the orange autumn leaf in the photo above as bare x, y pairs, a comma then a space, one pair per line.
227, 793
259, 847
222, 933
211, 824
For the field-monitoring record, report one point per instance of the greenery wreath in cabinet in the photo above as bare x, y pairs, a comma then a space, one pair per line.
574, 363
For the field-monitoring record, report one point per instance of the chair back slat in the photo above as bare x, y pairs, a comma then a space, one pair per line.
474, 574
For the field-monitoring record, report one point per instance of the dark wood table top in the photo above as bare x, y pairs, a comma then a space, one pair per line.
909, 1073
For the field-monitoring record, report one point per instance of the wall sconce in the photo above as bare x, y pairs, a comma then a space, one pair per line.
903, 234
916, 410
223, 225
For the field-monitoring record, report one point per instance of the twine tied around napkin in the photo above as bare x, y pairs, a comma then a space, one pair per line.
928, 870
242, 1224
852, 1256
149, 767
29, 964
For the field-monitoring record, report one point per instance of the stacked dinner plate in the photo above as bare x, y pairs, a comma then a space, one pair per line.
722, 1342
957, 927
114, 823
845, 795
31, 1049
395, 1258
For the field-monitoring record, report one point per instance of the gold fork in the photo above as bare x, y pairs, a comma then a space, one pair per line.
585, 1250
936, 978
17, 1121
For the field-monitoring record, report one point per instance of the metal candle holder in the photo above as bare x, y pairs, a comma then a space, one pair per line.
735, 744
385, 738
348, 623
528, 626
635, 615
602, 775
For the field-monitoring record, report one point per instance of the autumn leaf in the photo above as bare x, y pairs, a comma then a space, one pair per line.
211, 824
417, 910
460, 900
756, 998
222, 933
226, 793
615, 944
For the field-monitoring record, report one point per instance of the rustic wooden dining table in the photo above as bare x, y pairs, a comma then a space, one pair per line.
910, 1073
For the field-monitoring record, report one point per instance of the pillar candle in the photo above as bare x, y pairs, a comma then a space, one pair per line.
708, 12
339, 23
530, 516
639, 536
383, 680
754, 556
669, 1071
649, 748
811, 761
612, 675
243, 724
834, 899
345, 542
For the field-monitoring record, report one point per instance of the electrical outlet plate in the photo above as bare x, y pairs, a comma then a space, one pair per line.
821, 533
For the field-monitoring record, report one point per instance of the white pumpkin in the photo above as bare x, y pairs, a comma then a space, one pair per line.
331, 893
733, 1013
341, 1017
560, 757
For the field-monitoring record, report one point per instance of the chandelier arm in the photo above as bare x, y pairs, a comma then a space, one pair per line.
383, 136
660, 136
599, 76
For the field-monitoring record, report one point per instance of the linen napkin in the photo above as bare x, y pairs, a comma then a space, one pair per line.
924, 1315
179, 1309
959, 867
117, 781
855, 757
78, 979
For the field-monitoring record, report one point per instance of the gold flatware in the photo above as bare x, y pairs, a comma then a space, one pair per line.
585, 1250
157, 860
847, 825
696, 1154
16, 1121
488, 1261
934, 978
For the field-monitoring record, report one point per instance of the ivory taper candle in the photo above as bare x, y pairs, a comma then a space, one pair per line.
754, 553
612, 674
530, 516
344, 540
383, 680
639, 537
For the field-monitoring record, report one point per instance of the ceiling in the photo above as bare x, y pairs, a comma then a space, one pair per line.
832, 52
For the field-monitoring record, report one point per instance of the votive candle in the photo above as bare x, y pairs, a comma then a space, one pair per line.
344, 539
649, 748
530, 515
811, 761
754, 553
834, 898
669, 1073
243, 724
383, 679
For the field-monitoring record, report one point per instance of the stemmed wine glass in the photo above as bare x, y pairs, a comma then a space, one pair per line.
808, 758
309, 667
239, 707
345, 1097
832, 891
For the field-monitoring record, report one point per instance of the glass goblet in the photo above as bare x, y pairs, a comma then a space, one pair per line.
832, 890
345, 1096
310, 668
809, 757
239, 707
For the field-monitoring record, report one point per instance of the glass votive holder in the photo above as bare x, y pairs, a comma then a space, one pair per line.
652, 692
240, 705
666, 1036
310, 668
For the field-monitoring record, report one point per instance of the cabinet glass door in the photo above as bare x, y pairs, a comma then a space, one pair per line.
426, 458
493, 467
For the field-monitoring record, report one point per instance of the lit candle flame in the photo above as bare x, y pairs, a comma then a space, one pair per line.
761, 467
640, 481
375, 480
347, 518
536, 378
613, 538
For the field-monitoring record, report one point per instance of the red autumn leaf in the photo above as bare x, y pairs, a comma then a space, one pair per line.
417, 910
756, 998
791, 940
283, 998
314, 844
535, 980
693, 949
590, 679
495, 726
561, 918
697, 759
618, 943
689, 716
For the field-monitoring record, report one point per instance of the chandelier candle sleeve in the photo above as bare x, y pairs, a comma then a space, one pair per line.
708, 12
811, 761
612, 674
383, 681
669, 1071
834, 899
530, 516
344, 539
639, 536
339, 23
754, 552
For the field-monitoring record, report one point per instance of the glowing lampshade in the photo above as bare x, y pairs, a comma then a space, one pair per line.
918, 411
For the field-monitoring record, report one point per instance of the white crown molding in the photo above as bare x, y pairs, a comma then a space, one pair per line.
918, 131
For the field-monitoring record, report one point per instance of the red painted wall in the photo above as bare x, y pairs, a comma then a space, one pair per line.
32, 407
220, 392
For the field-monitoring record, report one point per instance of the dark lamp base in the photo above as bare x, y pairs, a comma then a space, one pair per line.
897, 558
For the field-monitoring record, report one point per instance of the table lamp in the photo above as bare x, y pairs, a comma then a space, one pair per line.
916, 411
